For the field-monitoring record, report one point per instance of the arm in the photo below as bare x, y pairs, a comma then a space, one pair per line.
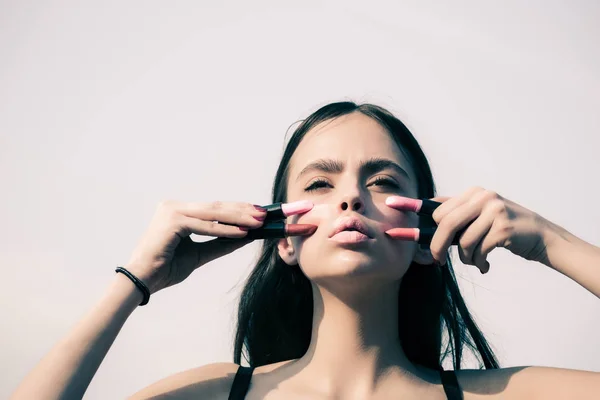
573, 257
212, 381
159, 261
67, 370
483, 220
529, 383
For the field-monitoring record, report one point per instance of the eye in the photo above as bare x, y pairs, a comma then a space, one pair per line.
316, 185
383, 181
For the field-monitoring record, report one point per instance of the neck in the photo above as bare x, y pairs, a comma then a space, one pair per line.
355, 345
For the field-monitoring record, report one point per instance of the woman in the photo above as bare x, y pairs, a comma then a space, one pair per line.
354, 316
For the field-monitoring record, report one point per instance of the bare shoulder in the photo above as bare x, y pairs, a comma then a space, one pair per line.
212, 381
546, 383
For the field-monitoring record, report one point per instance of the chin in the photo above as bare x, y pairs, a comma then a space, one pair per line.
346, 264
326, 259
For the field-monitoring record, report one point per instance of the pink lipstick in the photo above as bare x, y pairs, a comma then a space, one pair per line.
420, 206
420, 235
279, 211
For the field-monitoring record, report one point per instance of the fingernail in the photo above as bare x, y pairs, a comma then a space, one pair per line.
243, 228
259, 208
261, 218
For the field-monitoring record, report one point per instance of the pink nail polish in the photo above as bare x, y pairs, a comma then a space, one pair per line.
261, 218
243, 228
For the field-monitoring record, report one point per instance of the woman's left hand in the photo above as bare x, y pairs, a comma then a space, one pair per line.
491, 221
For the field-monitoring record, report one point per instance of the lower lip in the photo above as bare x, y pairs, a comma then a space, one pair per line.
350, 237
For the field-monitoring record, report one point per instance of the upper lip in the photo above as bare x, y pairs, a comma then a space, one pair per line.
346, 223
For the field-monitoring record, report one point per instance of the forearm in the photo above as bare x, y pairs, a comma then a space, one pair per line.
67, 370
574, 258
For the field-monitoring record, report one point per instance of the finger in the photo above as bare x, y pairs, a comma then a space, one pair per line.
219, 247
454, 221
242, 214
470, 240
480, 256
497, 235
451, 204
211, 228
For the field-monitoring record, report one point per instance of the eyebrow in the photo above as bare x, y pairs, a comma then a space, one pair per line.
368, 167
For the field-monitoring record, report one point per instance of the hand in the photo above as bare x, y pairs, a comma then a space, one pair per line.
166, 254
488, 221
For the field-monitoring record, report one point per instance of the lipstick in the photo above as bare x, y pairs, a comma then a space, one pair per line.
279, 211
420, 206
279, 229
421, 235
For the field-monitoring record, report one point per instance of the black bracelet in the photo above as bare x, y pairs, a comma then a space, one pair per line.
138, 283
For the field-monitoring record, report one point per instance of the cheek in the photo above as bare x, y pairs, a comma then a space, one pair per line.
388, 217
392, 218
316, 216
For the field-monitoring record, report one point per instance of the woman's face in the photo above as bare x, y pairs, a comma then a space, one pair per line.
333, 167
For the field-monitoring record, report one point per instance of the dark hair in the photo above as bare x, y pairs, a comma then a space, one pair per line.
276, 305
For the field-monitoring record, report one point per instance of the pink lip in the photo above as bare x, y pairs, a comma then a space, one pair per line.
350, 237
350, 228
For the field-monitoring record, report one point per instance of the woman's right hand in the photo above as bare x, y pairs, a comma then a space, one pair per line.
166, 254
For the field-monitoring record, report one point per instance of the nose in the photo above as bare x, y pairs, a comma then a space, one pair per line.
352, 203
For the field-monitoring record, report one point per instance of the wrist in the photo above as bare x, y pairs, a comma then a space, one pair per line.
147, 274
124, 291
559, 243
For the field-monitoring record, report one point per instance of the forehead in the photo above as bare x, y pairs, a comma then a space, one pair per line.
350, 139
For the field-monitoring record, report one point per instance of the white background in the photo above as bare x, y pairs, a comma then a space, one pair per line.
108, 107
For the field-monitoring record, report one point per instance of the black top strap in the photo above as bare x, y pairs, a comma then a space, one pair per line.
241, 383
451, 386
